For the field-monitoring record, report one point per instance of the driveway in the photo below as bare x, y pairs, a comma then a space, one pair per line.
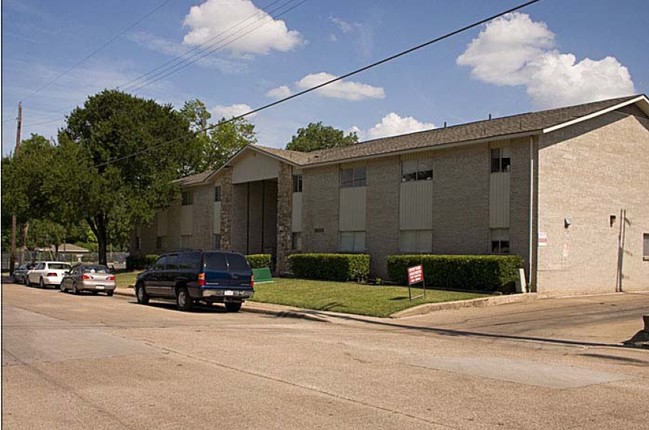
602, 319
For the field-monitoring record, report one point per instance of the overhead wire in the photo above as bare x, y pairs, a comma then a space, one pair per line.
95, 51
329, 82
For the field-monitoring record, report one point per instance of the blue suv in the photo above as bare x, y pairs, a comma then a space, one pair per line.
197, 276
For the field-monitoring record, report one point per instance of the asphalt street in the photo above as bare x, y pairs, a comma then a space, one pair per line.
97, 362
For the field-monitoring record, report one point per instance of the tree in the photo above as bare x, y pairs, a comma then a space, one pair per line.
216, 145
316, 136
116, 161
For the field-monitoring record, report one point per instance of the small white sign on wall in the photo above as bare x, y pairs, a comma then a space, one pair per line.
543, 238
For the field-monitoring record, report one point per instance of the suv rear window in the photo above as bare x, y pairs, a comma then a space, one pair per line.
238, 262
58, 266
215, 261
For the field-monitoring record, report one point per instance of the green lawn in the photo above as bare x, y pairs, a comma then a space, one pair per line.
124, 279
348, 297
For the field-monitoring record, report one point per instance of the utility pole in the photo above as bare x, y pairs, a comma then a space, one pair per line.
12, 258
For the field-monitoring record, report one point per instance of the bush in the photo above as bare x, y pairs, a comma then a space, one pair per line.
330, 267
258, 261
140, 262
463, 272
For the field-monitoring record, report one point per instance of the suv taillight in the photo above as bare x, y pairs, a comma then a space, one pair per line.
252, 281
201, 279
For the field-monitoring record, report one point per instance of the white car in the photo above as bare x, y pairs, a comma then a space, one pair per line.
48, 273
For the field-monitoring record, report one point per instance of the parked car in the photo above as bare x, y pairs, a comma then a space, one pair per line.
20, 274
197, 276
47, 273
89, 277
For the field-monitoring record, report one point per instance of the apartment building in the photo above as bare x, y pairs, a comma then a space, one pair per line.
566, 189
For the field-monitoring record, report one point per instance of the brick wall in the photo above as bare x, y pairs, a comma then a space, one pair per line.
588, 172
320, 200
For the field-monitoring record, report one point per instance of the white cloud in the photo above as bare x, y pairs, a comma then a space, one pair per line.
392, 125
514, 50
279, 92
227, 112
344, 26
347, 90
174, 49
244, 27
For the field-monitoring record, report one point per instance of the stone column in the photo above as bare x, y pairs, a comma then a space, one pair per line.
284, 216
226, 209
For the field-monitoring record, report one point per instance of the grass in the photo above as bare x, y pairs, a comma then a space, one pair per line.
349, 297
124, 279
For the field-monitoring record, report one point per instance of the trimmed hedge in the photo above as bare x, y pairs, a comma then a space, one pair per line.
462, 272
330, 267
140, 262
258, 261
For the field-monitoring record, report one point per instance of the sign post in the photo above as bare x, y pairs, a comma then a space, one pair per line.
415, 276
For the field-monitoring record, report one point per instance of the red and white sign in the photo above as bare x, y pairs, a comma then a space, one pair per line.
415, 274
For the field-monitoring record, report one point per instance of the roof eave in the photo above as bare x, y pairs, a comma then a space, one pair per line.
426, 148
641, 101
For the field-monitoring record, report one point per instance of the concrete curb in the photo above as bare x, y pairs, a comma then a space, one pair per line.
459, 304
320, 316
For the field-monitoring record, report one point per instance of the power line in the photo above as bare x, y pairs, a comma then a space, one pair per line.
329, 82
135, 87
111, 40
128, 84
200, 55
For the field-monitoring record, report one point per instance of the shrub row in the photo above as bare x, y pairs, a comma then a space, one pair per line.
258, 261
466, 272
140, 261
330, 267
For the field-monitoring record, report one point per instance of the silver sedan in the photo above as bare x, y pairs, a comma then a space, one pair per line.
89, 277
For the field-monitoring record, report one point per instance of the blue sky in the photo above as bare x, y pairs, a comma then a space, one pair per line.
550, 54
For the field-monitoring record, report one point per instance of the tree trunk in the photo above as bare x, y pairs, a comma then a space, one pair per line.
99, 226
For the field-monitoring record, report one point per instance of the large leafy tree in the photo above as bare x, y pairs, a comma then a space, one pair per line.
116, 160
216, 143
316, 136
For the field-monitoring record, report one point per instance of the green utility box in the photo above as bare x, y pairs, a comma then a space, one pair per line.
262, 275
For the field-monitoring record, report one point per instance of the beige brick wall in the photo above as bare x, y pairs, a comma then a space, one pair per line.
203, 212
382, 220
519, 198
588, 172
461, 200
320, 200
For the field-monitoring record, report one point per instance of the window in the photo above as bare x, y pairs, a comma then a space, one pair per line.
138, 242
296, 241
190, 260
187, 198
352, 241
297, 183
215, 261
500, 161
160, 264
216, 242
172, 262
416, 241
500, 241
237, 263
217, 194
417, 170
186, 241
645, 246
355, 177
161, 242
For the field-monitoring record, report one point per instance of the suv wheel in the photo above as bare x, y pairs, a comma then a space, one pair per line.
232, 306
140, 294
41, 283
183, 301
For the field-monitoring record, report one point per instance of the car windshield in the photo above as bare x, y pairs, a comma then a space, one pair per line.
95, 269
59, 266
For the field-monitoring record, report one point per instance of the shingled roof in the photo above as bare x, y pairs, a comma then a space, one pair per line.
498, 128
521, 124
